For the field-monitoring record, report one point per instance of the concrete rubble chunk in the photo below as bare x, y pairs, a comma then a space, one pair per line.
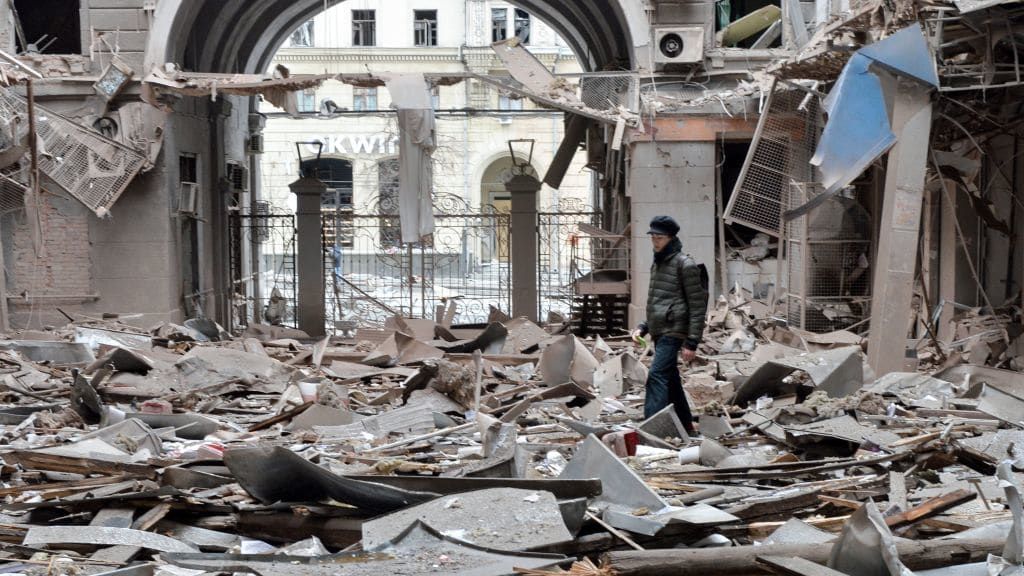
203, 366
419, 549
567, 360
499, 518
620, 485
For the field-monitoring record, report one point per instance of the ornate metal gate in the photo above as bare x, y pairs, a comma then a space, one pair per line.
371, 275
262, 265
558, 233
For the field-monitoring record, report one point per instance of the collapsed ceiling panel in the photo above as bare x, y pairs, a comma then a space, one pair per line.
779, 158
88, 166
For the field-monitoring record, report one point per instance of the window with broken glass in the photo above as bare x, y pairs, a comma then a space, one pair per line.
425, 27
435, 97
46, 26
364, 99
499, 24
364, 27
522, 26
750, 24
302, 37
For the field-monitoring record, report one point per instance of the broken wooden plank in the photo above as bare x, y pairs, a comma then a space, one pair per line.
931, 507
39, 461
100, 535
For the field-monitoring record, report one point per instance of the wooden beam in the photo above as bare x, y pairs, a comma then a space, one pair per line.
742, 560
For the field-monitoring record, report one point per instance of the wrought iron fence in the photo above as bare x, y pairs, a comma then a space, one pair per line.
371, 275
264, 286
558, 232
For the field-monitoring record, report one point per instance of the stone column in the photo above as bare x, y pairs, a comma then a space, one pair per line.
310, 259
523, 245
896, 260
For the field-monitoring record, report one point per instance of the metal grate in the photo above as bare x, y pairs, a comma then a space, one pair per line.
12, 189
86, 165
610, 91
827, 263
787, 134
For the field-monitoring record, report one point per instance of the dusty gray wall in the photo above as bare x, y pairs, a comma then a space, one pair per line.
677, 179
123, 24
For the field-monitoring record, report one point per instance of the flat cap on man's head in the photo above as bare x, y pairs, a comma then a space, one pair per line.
664, 225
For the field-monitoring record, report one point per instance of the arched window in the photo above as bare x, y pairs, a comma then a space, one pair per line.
336, 173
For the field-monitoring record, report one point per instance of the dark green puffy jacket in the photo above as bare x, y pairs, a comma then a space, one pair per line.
677, 300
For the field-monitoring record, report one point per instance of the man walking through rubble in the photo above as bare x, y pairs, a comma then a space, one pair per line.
677, 302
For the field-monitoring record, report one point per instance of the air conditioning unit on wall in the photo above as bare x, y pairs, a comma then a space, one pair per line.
188, 198
678, 45
238, 176
255, 144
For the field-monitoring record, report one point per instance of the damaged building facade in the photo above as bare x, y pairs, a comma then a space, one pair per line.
729, 132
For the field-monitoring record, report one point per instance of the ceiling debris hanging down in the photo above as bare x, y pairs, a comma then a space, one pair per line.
90, 167
859, 129
278, 89
530, 79
534, 81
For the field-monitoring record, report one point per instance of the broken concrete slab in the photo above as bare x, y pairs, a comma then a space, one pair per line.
320, 415
796, 531
665, 424
105, 536
400, 348
523, 336
490, 340
420, 549
620, 485
838, 372
566, 359
499, 518
56, 353
608, 378
653, 523
206, 365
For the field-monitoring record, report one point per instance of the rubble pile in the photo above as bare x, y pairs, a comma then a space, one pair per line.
507, 448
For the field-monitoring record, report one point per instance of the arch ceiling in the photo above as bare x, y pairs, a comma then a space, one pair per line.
243, 35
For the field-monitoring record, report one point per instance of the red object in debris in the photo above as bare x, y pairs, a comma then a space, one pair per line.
210, 451
156, 407
632, 439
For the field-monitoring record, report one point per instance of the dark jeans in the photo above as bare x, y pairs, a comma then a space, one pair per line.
664, 385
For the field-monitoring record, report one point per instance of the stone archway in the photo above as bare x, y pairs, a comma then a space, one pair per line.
243, 35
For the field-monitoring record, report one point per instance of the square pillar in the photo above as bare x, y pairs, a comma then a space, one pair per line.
311, 314
523, 253
896, 260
